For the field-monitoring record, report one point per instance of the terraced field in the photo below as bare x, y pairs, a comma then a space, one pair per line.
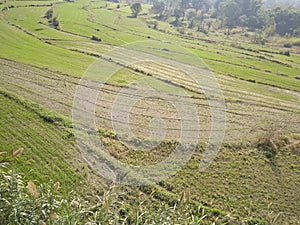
56, 91
48, 66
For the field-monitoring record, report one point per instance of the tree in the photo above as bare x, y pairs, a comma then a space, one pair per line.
269, 24
49, 14
192, 24
250, 11
249, 7
230, 12
136, 8
178, 13
245, 13
191, 15
253, 22
158, 8
183, 6
287, 20
201, 4
55, 23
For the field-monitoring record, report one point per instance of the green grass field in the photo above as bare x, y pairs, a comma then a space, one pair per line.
50, 155
256, 173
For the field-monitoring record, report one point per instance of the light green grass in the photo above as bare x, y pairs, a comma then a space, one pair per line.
29, 50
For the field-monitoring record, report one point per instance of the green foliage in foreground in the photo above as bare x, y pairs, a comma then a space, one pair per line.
22, 203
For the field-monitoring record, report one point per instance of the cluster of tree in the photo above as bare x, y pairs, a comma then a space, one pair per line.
251, 14
245, 13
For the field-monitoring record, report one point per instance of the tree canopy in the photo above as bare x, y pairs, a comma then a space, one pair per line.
251, 14
136, 8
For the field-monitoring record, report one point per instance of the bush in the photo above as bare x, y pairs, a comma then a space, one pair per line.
296, 43
286, 53
287, 45
259, 38
94, 38
268, 146
49, 14
5, 8
55, 23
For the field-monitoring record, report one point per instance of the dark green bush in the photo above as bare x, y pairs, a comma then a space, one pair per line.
286, 53
94, 38
287, 45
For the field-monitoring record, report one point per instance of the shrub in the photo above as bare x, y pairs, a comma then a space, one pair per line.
286, 53
287, 45
49, 14
5, 8
268, 146
259, 38
296, 43
94, 38
270, 143
55, 23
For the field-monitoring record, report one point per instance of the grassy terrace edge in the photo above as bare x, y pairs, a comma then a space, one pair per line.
42, 112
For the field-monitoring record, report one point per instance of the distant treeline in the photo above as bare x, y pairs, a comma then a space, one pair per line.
284, 3
252, 14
